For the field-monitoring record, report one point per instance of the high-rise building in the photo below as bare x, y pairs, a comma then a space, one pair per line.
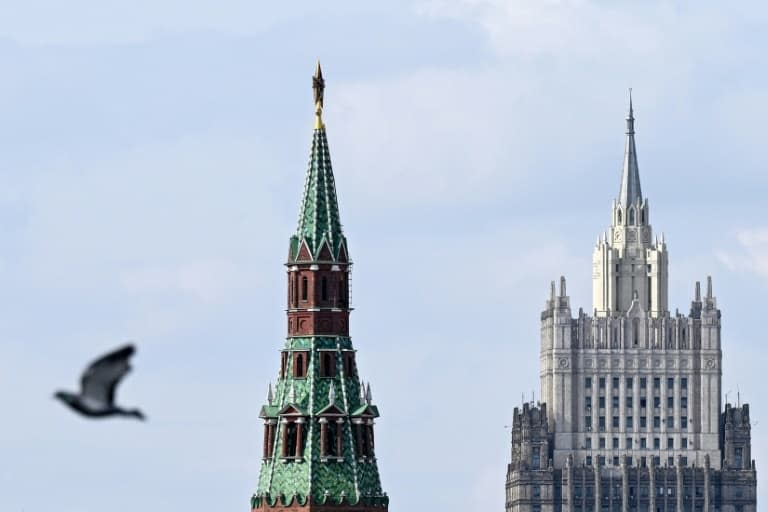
631, 416
318, 452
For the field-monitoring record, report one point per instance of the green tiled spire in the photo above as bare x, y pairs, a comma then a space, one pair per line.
319, 219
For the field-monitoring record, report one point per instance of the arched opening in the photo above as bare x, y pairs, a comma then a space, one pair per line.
631, 216
618, 216
324, 288
304, 287
635, 332
327, 366
642, 216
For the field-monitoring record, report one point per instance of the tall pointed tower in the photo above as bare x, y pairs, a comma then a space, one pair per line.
319, 421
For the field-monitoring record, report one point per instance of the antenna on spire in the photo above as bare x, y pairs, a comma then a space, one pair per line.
709, 287
318, 89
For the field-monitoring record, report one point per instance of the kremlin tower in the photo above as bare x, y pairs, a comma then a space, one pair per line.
318, 452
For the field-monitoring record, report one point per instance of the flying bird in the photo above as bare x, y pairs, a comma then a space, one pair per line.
98, 384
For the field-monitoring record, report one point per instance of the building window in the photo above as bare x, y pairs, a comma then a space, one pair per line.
683, 421
615, 443
602, 442
324, 288
304, 288
643, 383
656, 402
643, 402
602, 382
670, 384
615, 383
588, 383
327, 364
643, 443
293, 438
588, 460
670, 402
536, 458
628, 401
631, 216
635, 331
349, 363
684, 383
670, 422
670, 443
738, 457
684, 443
618, 216
588, 402
683, 402
656, 383
269, 438
642, 217
616, 461
601, 460
601, 401
283, 364
300, 360
615, 402
629, 384
331, 440
628, 422
656, 443
601, 423
643, 421
535, 491
588, 422
657, 422
628, 444
588, 443
615, 422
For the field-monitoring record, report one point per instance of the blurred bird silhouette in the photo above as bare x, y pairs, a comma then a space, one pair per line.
98, 384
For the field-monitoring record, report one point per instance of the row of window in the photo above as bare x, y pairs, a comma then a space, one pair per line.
298, 290
630, 381
631, 215
601, 460
300, 364
643, 443
293, 434
669, 422
629, 402
606, 491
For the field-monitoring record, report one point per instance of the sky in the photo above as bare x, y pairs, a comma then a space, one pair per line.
152, 157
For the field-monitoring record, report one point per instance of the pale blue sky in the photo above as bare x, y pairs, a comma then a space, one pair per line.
152, 157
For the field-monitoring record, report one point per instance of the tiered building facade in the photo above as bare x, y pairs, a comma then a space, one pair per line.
631, 415
318, 452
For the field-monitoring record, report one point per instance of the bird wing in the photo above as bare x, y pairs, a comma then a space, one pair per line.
103, 375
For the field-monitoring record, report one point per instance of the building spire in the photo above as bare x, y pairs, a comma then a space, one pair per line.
319, 221
630, 174
318, 89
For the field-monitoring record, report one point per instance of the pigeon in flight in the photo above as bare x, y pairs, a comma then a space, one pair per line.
98, 384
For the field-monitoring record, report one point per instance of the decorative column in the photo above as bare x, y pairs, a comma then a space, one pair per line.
299, 437
624, 484
652, 484
323, 437
707, 507
598, 491
569, 484
370, 446
284, 437
679, 477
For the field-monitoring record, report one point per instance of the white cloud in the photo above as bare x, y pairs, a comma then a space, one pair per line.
752, 254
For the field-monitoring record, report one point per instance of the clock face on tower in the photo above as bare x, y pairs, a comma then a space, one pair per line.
617, 236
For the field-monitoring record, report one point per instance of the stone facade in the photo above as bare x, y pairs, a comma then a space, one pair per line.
632, 415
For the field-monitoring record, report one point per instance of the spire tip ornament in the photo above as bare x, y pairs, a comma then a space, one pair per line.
318, 88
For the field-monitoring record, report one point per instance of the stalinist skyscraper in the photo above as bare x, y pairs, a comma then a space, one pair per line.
631, 416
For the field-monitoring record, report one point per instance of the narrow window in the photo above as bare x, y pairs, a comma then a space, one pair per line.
283, 363
327, 366
618, 216
324, 288
642, 216
631, 216
304, 287
635, 331
300, 364
349, 363
536, 459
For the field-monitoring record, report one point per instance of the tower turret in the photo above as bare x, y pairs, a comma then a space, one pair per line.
318, 452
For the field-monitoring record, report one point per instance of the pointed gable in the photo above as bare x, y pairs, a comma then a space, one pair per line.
325, 252
304, 254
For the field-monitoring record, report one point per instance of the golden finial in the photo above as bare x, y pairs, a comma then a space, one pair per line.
318, 87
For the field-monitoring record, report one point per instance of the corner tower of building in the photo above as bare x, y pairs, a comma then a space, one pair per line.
318, 446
